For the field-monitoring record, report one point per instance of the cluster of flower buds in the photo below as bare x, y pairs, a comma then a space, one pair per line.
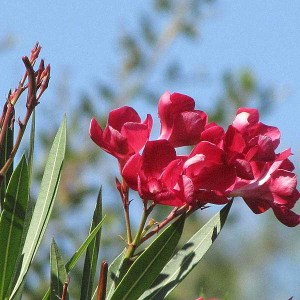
238, 162
35, 82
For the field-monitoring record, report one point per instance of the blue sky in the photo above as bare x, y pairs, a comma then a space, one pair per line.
262, 35
81, 38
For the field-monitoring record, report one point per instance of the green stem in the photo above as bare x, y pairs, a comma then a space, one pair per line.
137, 240
125, 194
173, 214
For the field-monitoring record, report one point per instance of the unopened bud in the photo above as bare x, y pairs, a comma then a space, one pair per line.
31, 95
35, 53
45, 77
40, 71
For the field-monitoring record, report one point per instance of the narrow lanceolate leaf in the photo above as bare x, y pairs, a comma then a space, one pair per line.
150, 263
113, 273
44, 203
5, 151
91, 256
74, 259
58, 272
12, 224
187, 258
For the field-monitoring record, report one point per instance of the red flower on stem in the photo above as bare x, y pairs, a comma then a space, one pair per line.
274, 186
124, 134
154, 173
206, 176
181, 124
239, 162
265, 179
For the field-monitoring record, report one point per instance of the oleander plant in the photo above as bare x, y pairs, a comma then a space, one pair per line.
215, 166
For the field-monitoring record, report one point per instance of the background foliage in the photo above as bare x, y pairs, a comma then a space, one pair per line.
150, 56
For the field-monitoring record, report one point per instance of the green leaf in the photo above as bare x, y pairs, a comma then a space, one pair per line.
113, 273
74, 259
72, 262
150, 263
5, 151
12, 224
44, 203
91, 256
187, 258
58, 272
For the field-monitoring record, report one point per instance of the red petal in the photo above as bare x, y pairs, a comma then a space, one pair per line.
165, 114
283, 182
188, 189
182, 102
187, 128
243, 169
169, 107
115, 143
96, 132
287, 165
244, 118
136, 135
261, 148
156, 156
272, 132
205, 196
172, 172
148, 122
234, 141
213, 134
118, 117
215, 177
286, 216
130, 171
257, 205
168, 198
211, 151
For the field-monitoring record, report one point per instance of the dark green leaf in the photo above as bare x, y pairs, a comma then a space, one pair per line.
72, 262
74, 259
12, 224
187, 258
58, 272
150, 263
113, 273
44, 204
4, 154
91, 256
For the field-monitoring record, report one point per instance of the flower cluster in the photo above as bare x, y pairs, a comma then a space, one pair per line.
241, 161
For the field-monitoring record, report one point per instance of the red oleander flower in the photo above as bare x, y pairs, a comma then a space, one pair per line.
181, 124
255, 140
274, 186
124, 134
154, 173
247, 140
214, 134
239, 162
206, 176
264, 178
